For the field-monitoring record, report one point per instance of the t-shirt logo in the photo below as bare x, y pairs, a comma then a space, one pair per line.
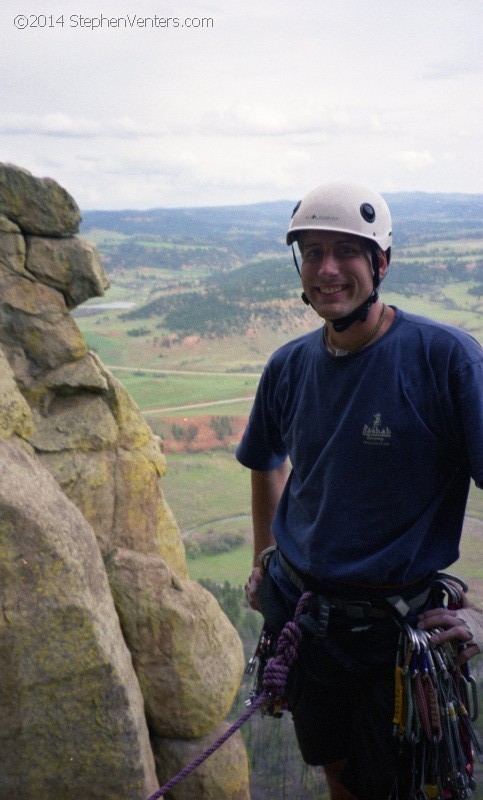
376, 433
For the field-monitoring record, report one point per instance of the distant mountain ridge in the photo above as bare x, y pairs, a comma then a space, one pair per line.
186, 221
206, 221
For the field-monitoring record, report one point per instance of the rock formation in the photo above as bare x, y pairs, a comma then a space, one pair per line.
113, 662
72, 712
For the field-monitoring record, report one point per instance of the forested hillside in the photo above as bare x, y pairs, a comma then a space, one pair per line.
222, 271
217, 237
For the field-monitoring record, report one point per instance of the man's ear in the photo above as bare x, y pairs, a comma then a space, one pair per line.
383, 263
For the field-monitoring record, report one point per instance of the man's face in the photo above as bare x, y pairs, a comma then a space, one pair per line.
336, 271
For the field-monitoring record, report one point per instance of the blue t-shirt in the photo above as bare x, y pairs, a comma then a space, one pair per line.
382, 444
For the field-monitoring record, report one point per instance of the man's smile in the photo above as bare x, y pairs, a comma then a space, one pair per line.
331, 289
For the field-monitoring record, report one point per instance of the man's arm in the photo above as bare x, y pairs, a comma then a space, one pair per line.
267, 488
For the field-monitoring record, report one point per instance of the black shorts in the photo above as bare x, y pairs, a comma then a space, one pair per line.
341, 694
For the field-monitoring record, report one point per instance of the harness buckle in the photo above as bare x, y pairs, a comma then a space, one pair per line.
358, 609
316, 620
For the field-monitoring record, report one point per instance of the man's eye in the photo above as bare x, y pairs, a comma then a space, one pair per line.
347, 250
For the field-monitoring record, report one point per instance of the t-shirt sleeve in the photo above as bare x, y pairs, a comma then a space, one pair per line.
468, 393
261, 447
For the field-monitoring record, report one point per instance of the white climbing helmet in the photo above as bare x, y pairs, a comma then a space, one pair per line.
346, 207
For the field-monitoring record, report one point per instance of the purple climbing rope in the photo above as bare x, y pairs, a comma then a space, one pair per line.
210, 750
277, 668
274, 682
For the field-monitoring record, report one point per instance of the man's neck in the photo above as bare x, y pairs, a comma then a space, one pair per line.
360, 334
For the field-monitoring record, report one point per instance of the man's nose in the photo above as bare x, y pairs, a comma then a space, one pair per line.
328, 264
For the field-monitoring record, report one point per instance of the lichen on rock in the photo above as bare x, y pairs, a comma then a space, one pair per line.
81, 504
72, 710
37, 205
15, 414
187, 657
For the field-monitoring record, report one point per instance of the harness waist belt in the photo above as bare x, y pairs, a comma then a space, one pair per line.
359, 609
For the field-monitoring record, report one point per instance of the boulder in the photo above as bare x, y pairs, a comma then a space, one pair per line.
142, 519
74, 422
69, 697
88, 480
134, 430
35, 318
72, 266
118, 490
223, 776
37, 205
81, 375
15, 415
187, 655
12, 246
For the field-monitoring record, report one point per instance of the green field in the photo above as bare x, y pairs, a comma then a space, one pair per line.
209, 494
475, 503
232, 408
207, 489
168, 391
233, 567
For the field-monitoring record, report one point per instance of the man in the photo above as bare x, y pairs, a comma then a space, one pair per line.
380, 416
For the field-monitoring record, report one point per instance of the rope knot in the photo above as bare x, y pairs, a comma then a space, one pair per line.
278, 667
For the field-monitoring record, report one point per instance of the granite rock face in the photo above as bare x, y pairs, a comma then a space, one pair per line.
174, 651
37, 205
71, 708
223, 776
15, 414
104, 640
72, 266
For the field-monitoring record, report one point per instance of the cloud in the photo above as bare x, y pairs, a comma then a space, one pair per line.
58, 124
269, 119
415, 160
242, 119
450, 69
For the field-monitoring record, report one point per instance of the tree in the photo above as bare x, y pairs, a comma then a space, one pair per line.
222, 427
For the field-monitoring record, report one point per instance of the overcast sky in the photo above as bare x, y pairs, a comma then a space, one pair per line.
263, 101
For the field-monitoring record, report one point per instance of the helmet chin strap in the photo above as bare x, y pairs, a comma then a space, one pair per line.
361, 313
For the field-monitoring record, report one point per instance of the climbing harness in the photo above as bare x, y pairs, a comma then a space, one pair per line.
272, 687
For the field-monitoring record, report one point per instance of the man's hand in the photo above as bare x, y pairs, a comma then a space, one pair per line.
252, 586
461, 625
